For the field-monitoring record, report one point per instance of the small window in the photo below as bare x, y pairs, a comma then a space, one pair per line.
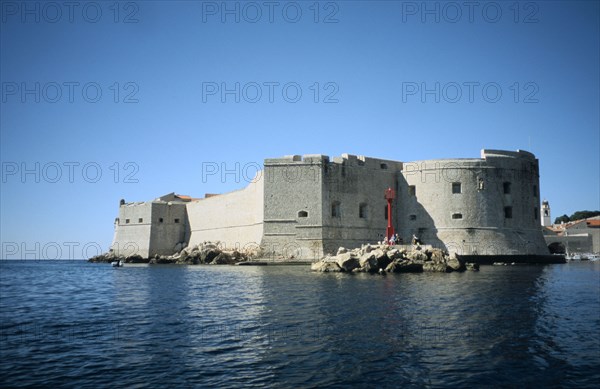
140, 220
535, 191
456, 189
335, 209
412, 217
343, 170
535, 213
457, 216
160, 220
412, 190
385, 212
362, 211
508, 212
384, 166
126, 221
506, 187
302, 214
545, 213
176, 220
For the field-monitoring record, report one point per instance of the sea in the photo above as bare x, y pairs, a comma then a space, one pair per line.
80, 324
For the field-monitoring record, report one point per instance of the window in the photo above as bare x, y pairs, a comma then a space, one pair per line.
545, 213
506, 187
508, 212
385, 212
160, 220
412, 217
335, 209
535, 191
412, 190
457, 216
302, 214
176, 220
140, 220
535, 213
343, 170
362, 211
126, 221
456, 189
384, 166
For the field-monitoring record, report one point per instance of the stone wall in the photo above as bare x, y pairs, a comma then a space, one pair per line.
487, 206
293, 207
235, 219
356, 185
132, 235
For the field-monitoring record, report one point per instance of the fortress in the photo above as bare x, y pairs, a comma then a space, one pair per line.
303, 207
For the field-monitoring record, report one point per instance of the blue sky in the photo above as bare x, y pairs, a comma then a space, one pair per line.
133, 92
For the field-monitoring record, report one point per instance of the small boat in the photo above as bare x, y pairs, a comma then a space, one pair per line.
117, 263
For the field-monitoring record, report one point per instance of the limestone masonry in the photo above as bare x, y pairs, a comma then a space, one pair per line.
303, 207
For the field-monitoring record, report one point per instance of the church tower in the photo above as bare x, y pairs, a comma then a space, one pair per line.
546, 221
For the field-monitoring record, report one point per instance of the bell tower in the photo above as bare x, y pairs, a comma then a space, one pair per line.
546, 220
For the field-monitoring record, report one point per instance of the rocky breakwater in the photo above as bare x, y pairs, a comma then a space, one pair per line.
208, 253
392, 259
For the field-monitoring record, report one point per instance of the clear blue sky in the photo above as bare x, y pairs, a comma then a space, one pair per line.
371, 61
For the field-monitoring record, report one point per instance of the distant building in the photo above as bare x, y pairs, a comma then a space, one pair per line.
546, 220
303, 207
581, 236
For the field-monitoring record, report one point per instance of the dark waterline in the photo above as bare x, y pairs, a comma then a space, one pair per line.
72, 323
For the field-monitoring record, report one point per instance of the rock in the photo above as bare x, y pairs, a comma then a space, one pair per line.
455, 263
436, 267
136, 259
347, 261
325, 266
368, 263
208, 254
394, 254
341, 250
472, 266
223, 259
436, 255
417, 255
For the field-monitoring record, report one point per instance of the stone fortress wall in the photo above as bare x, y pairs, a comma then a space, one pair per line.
235, 219
487, 206
303, 207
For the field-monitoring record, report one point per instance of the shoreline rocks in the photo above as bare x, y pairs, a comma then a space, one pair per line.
392, 259
207, 253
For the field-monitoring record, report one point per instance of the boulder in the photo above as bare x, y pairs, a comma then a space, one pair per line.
341, 250
223, 259
417, 255
136, 259
347, 261
368, 263
394, 254
436, 267
436, 255
472, 266
207, 255
325, 267
455, 263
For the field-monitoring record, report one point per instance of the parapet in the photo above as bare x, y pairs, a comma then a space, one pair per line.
486, 153
298, 159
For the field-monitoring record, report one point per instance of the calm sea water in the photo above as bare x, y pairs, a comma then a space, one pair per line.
72, 323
